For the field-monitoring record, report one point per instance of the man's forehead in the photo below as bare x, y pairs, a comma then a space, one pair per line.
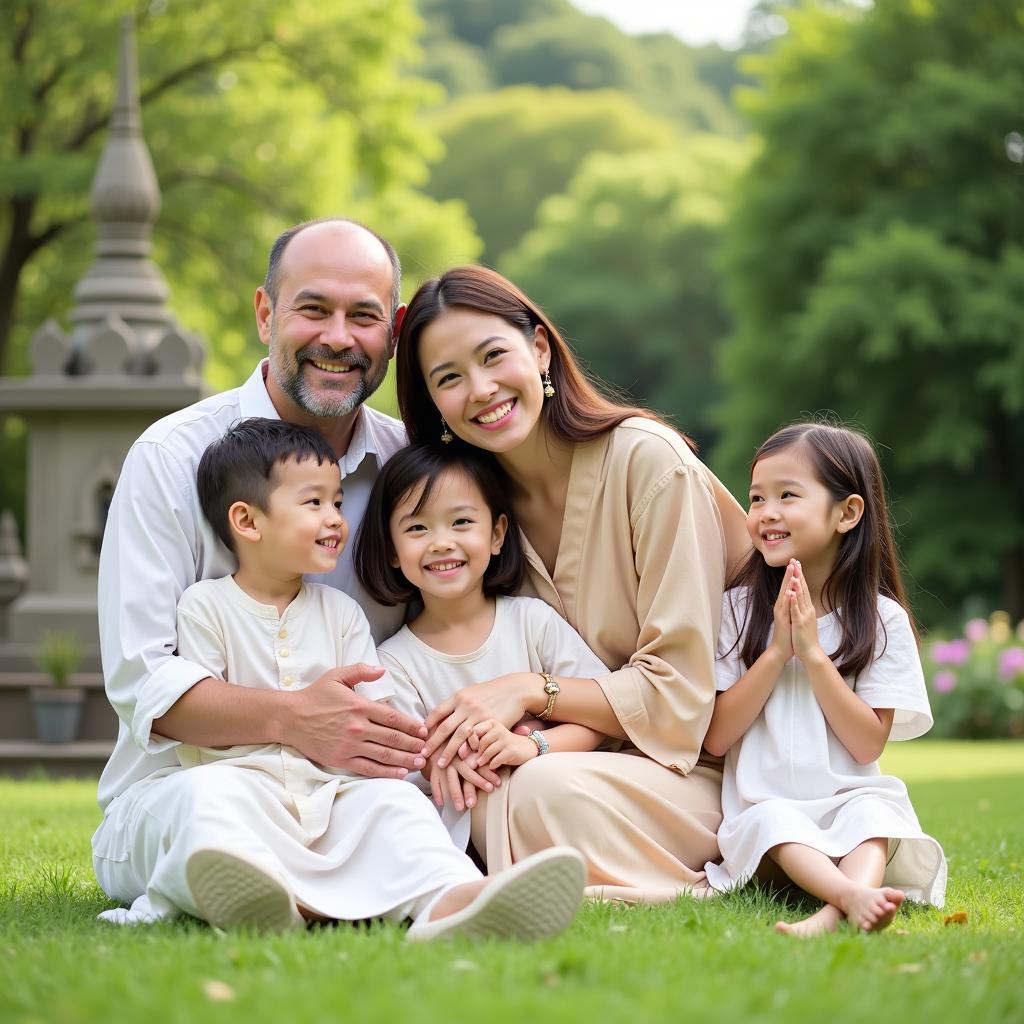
327, 258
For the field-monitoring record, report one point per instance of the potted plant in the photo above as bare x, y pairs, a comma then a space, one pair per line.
57, 707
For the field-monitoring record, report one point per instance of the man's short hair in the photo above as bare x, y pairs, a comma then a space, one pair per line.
272, 282
240, 466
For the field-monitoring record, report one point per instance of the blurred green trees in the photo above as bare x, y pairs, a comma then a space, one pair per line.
875, 266
507, 151
624, 262
256, 117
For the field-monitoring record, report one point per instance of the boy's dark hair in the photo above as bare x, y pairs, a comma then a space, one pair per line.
240, 466
867, 565
421, 464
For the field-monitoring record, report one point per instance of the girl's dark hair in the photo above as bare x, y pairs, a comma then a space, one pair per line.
406, 470
241, 466
578, 411
845, 462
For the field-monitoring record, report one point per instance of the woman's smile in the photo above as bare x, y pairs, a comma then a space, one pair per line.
496, 415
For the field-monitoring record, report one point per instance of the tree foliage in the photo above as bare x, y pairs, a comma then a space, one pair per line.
509, 150
876, 267
256, 116
481, 45
624, 262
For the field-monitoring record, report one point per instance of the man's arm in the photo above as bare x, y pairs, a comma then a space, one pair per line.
326, 721
149, 557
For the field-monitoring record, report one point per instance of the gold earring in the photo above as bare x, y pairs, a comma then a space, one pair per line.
549, 388
446, 434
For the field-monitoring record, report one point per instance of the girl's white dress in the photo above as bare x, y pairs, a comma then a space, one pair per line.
790, 780
527, 636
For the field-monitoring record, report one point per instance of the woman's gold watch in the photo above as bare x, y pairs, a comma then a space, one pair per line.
552, 689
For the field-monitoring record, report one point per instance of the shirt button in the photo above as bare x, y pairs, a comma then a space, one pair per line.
282, 633
287, 681
284, 652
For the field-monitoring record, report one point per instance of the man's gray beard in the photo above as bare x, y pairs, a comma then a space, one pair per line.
323, 405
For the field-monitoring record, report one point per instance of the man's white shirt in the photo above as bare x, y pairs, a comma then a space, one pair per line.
157, 542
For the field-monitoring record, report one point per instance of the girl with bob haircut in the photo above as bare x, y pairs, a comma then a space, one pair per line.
819, 668
629, 538
439, 527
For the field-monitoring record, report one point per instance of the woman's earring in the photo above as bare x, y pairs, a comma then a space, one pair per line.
446, 434
549, 388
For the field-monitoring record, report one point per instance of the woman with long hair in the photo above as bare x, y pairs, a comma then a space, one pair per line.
630, 538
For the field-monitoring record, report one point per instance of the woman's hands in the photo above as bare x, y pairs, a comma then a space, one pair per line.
453, 721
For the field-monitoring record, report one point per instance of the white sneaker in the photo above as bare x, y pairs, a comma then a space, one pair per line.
534, 899
233, 891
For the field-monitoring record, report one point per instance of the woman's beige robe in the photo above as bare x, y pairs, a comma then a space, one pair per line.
639, 573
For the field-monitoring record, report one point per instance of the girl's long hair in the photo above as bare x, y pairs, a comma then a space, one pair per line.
420, 466
845, 462
579, 410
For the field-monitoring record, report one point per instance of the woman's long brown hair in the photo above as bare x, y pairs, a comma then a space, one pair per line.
845, 462
578, 411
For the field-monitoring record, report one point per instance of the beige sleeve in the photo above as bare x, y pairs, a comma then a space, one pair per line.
664, 697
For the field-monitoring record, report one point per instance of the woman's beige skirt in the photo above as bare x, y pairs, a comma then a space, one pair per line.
645, 831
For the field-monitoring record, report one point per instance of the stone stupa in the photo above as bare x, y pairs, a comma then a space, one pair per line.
124, 363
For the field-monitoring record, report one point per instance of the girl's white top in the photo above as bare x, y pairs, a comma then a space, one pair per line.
790, 780
528, 635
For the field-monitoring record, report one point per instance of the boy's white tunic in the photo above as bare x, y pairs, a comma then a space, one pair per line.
790, 779
527, 636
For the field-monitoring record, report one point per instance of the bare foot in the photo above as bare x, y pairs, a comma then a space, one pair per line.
825, 920
871, 910
456, 898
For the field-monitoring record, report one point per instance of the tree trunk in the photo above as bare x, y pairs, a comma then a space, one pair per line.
17, 250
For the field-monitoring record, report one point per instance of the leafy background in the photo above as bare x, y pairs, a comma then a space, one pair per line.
828, 218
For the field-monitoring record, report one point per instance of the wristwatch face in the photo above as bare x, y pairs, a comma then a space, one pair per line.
551, 688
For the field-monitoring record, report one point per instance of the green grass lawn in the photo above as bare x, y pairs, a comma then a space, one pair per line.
687, 963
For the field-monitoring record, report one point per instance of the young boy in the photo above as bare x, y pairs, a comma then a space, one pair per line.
272, 492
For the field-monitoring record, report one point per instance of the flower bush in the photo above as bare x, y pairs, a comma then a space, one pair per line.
976, 681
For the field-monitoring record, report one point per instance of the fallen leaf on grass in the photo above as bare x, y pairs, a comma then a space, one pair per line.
960, 917
978, 957
218, 991
908, 968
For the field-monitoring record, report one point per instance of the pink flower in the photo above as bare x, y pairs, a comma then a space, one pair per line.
956, 652
976, 630
1011, 663
944, 681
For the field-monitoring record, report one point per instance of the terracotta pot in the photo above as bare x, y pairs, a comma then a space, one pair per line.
57, 712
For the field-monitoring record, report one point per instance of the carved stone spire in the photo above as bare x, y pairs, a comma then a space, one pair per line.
120, 314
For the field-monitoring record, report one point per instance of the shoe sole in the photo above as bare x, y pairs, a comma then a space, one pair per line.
535, 899
233, 892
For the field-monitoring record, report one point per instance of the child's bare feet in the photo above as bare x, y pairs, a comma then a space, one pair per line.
825, 920
871, 910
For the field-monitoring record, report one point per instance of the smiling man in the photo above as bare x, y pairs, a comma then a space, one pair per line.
267, 848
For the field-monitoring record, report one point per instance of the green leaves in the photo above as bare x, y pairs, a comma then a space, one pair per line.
875, 267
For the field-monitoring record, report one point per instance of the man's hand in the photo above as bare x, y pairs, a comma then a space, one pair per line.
334, 726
